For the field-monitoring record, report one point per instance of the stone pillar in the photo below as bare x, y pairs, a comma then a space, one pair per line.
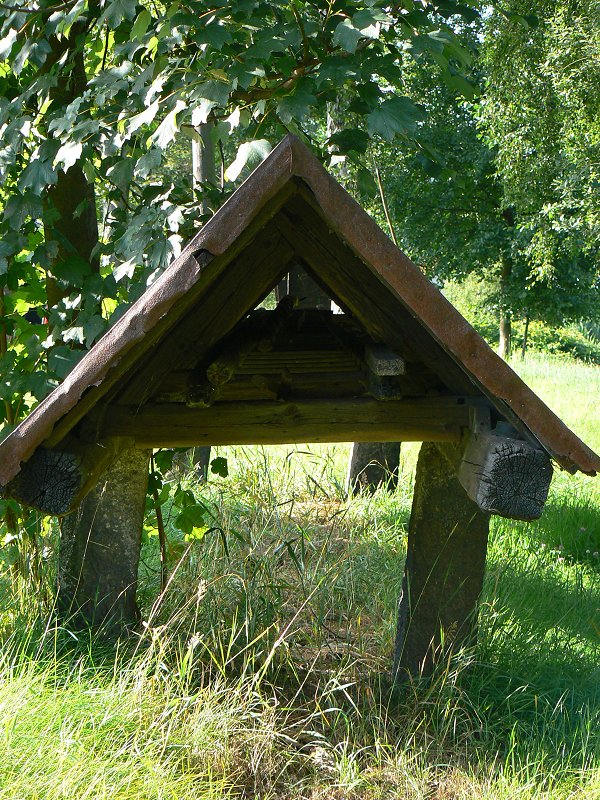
100, 548
373, 464
445, 565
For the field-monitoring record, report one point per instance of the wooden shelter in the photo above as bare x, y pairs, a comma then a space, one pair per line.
195, 361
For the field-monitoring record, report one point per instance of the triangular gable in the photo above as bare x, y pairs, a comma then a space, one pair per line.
291, 204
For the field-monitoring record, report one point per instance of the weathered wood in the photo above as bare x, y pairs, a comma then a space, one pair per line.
354, 287
438, 419
55, 481
505, 475
100, 548
257, 332
373, 464
236, 292
445, 564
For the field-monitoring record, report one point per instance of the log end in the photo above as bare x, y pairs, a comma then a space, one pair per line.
48, 482
506, 476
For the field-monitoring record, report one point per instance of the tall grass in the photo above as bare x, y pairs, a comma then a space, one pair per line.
262, 671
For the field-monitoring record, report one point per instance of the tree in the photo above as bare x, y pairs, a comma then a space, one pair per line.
462, 180
539, 114
94, 93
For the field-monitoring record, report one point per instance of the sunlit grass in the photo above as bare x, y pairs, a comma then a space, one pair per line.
264, 670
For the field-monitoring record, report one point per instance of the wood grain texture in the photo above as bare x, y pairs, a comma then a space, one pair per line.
506, 476
174, 425
55, 481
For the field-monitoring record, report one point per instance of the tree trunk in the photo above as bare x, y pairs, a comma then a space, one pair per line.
70, 219
100, 548
445, 564
525, 337
203, 171
373, 464
505, 342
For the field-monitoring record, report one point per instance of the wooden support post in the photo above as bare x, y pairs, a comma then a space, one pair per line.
445, 564
100, 548
373, 464
55, 481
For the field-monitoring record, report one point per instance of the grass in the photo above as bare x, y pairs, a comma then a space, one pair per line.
263, 672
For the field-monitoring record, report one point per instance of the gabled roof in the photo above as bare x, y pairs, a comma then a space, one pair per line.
349, 254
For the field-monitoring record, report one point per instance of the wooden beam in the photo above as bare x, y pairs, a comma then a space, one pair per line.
55, 481
268, 422
505, 475
383, 362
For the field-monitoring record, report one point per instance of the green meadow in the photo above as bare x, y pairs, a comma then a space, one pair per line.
262, 670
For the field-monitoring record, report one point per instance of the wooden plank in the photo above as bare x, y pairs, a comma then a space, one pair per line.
173, 425
264, 387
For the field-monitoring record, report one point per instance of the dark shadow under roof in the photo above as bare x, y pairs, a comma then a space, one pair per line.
273, 184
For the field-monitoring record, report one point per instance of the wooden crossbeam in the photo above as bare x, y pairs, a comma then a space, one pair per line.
272, 422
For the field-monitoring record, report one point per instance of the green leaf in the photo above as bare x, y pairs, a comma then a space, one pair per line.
165, 133
295, 106
347, 36
369, 20
116, 11
217, 91
215, 34
125, 270
68, 154
93, 329
37, 175
121, 174
147, 163
350, 139
145, 117
141, 25
164, 460
396, 116
191, 517
366, 183
74, 334
463, 86
71, 272
218, 466
252, 152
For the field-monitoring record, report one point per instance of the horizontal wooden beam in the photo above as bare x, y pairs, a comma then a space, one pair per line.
55, 481
271, 422
505, 475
